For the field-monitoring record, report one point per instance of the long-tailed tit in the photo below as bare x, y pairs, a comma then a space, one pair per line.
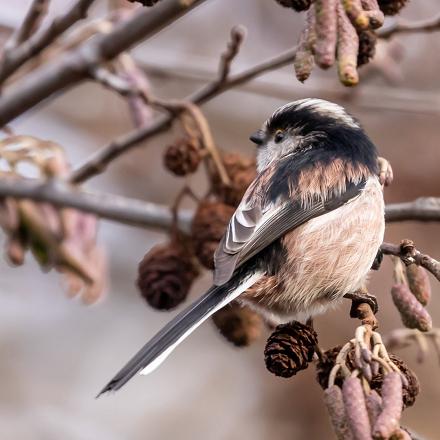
305, 233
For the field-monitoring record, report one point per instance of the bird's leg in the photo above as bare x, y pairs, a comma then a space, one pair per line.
378, 260
364, 307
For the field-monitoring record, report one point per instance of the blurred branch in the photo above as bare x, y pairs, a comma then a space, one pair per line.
98, 162
124, 210
404, 337
407, 27
278, 84
75, 66
32, 21
16, 57
422, 209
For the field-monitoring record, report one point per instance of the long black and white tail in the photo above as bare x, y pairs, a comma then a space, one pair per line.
154, 352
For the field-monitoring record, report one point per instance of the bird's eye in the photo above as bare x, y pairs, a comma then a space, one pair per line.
279, 136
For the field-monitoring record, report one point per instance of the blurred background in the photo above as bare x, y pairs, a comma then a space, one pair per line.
56, 353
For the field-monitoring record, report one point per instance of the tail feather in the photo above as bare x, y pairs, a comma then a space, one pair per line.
154, 352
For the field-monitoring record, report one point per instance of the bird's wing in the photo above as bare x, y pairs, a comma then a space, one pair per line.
255, 226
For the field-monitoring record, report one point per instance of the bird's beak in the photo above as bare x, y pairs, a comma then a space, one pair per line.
259, 137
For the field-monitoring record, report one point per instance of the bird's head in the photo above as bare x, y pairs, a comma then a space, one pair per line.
307, 124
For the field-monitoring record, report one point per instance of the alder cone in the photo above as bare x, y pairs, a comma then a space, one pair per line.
290, 349
208, 226
241, 171
165, 275
367, 47
238, 324
391, 7
182, 157
298, 5
410, 389
325, 365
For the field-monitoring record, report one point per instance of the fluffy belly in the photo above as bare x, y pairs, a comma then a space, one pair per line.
327, 257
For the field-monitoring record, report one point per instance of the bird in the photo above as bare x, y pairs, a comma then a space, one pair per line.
304, 235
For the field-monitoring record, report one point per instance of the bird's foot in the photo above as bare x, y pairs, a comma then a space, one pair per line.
364, 307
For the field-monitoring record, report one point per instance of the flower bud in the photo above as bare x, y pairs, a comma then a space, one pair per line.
419, 284
356, 409
388, 421
335, 406
412, 313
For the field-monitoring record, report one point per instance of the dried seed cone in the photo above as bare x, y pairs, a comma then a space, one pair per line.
347, 50
412, 313
356, 14
298, 5
165, 275
241, 171
326, 32
208, 226
183, 157
304, 60
388, 422
356, 409
325, 365
239, 324
392, 7
419, 284
375, 15
335, 406
290, 348
410, 389
367, 47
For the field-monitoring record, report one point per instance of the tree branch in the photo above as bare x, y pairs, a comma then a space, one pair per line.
424, 209
124, 210
407, 27
16, 57
99, 161
136, 212
32, 21
407, 252
76, 65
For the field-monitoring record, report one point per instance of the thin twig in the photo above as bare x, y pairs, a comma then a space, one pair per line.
99, 161
17, 57
31, 23
406, 27
407, 252
140, 110
238, 34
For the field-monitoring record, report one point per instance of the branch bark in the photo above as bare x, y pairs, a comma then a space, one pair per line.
121, 209
407, 27
139, 213
424, 209
75, 66
31, 23
407, 252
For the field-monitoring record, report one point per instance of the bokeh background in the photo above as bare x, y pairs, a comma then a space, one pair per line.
55, 353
